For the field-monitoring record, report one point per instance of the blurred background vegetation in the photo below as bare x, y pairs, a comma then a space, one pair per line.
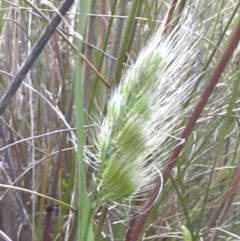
37, 131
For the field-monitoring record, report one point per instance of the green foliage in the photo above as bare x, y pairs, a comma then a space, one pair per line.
107, 167
118, 181
85, 228
186, 234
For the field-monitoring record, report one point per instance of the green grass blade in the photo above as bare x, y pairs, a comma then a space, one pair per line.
149, 17
135, 5
84, 226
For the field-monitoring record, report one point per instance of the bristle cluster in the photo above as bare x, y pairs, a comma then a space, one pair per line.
144, 115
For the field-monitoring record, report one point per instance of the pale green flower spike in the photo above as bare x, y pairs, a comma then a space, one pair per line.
186, 234
144, 115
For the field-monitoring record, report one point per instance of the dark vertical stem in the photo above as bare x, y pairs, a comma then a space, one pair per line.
170, 15
90, 39
48, 225
118, 36
128, 29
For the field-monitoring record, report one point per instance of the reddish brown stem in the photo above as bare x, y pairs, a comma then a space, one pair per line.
134, 231
219, 214
170, 15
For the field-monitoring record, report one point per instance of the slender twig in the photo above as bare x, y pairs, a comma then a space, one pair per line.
40, 195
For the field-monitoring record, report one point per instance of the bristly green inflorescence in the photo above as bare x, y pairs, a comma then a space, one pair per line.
145, 114
122, 140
